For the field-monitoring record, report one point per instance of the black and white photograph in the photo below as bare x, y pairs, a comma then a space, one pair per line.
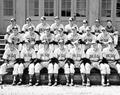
59, 47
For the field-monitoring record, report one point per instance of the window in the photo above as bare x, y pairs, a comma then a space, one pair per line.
118, 8
33, 7
81, 8
65, 8
48, 7
8, 7
106, 8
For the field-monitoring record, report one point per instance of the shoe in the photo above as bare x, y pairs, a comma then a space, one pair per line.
67, 84
108, 84
13, 83
88, 84
72, 84
103, 84
1, 82
36, 84
83, 84
55, 84
49, 84
30, 84
19, 83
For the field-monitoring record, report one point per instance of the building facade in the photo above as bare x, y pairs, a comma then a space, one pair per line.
82, 9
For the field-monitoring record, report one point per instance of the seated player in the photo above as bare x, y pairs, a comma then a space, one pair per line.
82, 29
76, 53
88, 38
41, 27
28, 24
16, 37
61, 54
104, 38
94, 55
68, 27
28, 55
55, 27
9, 28
44, 55
10, 56
111, 30
96, 28
112, 56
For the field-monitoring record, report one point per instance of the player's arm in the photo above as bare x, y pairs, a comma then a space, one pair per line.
117, 56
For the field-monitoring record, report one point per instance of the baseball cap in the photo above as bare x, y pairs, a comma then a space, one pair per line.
43, 18
12, 19
97, 20
28, 19
71, 19
56, 17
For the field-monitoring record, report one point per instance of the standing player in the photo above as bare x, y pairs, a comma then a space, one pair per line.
96, 29
95, 56
9, 28
82, 29
28, 55
40, 28
111, 30
10, 56
68, 27
112, 56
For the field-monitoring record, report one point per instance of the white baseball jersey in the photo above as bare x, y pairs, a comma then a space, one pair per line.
9, 28
27, 55
77, 53
32, 37
94, 55
44, 54
82, 29
42, 27
68, 28
110, 55
25, 27
97, 29
11, 55
56, 26
104, 38
61, 54
88, 38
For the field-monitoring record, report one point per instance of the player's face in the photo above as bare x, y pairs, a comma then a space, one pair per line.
109, 23
61, 45
46, 46
57, 21
43, 21
103, 30
15, 31
70, 22
11, 46
28, 21
97, 23
95, 45
13, 22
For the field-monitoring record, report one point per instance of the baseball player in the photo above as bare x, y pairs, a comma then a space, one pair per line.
56, 25
96, 29
28, 24
88, 38
10, 56
44, 54
95, 56
42, 26
28, 54
111, 30
82, 29
9, 28
104, 38
112, 57
68, 27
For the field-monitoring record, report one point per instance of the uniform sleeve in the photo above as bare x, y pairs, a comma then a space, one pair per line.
34, 55
22, 54
18, 28
24, 27
117, 56
17, 54
88, 54
52, 27
37, 28
5, 55
104, 53
8, 29
56, 52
